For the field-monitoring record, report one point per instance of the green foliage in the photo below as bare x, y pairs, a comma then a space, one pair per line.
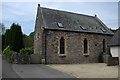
22, 57
28, 50
2, 34
17, 39
8, 53
14, 37
7, 38
28, 40
114, 30
2, 28
32, 34
3, 42
6, 50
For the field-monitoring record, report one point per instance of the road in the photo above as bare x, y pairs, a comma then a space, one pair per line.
7, 70
38, 71
30, 71
34, 72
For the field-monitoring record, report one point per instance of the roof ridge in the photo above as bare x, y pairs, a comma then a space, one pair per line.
68, 12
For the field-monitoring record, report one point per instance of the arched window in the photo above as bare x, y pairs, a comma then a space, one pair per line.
104, 44
62, 45
85, 46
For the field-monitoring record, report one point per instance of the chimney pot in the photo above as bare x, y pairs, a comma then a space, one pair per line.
95, 15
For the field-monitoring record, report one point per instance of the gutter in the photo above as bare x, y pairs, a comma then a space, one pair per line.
78, 31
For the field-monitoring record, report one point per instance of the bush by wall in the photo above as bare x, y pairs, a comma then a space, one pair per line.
9, 54
24, 56
28, 50
18, 58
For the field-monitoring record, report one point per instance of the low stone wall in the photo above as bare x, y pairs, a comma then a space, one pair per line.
35, 59
21, 59
110, 61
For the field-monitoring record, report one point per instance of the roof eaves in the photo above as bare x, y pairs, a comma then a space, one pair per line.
112, 45
78, 31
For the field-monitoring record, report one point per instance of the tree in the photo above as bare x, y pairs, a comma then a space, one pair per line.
32, 34
114, 30
3, 42
14, 38
2, 36
2, 28
28, 40
6, 38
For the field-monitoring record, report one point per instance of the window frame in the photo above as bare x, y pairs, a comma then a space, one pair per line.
65, 47
85, 54
60, 25
62, 45
104, 45
85, 46
83, 27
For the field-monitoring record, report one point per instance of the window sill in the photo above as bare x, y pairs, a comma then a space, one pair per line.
62, 55
86, 54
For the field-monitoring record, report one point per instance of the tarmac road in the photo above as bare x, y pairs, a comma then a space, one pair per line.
38, 71
30, 71
7, 70
34, 72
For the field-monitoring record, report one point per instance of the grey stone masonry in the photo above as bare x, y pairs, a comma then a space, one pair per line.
74, 47
74, 28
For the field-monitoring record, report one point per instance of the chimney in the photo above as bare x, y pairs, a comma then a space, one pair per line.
38, 5
95, 15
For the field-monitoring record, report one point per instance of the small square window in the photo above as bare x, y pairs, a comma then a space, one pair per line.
60, 25
103, 29
83, 27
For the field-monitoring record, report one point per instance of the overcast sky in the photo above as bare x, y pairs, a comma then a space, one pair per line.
24, 13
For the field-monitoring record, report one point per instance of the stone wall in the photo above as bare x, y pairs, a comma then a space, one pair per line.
110, 61
21, 59
74, 47
38, 37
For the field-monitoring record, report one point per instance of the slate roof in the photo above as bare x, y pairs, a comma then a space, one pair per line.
72, 21
115, 41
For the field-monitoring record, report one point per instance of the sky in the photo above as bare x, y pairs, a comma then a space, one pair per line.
24, 13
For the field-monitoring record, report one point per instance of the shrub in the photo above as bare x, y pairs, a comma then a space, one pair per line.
7, 51
15, 57
26, 50
9, 54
